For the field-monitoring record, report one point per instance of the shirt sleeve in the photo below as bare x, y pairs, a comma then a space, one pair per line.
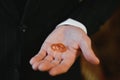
74, 23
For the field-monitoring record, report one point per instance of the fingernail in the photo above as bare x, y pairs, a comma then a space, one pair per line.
31, 61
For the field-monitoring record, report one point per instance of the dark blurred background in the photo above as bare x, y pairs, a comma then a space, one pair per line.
106, 45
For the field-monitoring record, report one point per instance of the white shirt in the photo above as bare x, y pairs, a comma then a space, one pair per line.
73, 22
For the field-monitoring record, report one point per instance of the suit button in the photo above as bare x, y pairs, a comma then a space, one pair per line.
23, 28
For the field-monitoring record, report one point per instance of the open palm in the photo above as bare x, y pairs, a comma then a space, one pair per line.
55, 62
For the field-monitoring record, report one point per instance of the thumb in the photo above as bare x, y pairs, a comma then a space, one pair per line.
88, 53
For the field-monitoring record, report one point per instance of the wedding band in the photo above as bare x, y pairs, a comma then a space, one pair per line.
58, 47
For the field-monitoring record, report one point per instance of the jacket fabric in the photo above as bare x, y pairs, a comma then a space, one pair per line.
24, 25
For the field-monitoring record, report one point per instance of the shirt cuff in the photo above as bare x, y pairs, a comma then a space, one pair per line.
73, 23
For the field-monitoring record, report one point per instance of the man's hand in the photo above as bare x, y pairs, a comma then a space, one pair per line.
51, 59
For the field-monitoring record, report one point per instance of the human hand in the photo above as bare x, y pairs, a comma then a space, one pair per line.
74, 40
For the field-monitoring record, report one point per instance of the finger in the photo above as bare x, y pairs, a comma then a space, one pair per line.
85, 46
38, 57
35, 66
57, 60
45, 65
49, 63
48, 58
62, 67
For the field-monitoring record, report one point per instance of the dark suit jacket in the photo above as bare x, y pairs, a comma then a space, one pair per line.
24, 25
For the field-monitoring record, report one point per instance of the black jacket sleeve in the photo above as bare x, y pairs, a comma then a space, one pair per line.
93, 13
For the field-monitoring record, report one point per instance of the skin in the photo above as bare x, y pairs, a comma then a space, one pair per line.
76, 41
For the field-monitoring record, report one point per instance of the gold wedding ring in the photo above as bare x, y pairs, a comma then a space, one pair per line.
58, 47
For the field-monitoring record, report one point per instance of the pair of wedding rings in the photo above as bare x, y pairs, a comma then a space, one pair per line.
59, 47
